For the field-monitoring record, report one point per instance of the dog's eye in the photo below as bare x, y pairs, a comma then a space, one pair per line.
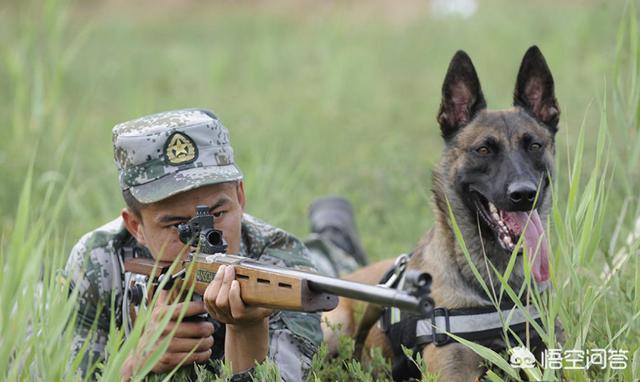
535, 147
483, 150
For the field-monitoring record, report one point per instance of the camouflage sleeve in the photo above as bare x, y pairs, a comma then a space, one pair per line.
293, 340
90, 267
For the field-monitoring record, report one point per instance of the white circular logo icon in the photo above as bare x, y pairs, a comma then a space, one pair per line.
522, 358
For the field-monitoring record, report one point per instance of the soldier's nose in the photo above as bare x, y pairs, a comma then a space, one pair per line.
521, 195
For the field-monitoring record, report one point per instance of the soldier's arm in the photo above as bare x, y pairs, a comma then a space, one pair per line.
89, 270
290, 339
294, 337
247, 331
293, 340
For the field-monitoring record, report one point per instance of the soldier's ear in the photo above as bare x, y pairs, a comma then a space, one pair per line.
133, 223
462, 96
534, 90
240, 192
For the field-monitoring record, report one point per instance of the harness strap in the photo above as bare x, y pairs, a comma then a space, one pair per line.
477, 326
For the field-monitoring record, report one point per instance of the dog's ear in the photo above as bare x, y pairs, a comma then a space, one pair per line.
461, 95
535, 91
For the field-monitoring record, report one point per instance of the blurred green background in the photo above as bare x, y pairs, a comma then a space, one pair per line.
320, 97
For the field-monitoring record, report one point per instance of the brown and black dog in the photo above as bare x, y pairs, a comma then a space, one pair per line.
494, 165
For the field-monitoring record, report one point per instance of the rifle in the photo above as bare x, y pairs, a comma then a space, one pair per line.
267, 285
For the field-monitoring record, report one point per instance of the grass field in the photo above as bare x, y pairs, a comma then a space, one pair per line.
320, 98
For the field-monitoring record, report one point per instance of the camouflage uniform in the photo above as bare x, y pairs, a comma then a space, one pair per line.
158, 156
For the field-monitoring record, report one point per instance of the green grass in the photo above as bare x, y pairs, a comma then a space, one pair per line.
328, 98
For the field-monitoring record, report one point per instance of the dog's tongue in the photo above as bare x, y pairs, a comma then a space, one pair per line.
532, 236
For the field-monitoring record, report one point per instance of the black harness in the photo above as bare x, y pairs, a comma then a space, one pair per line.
483, 325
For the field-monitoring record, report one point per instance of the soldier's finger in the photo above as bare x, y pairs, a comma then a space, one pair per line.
163, 297
195, 307
160, 310
174, 359
200, 357
180, 345
236, 305
200, 329
162, 367
222, 301
211, 292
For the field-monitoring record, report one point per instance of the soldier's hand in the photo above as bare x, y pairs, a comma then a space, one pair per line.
223, 302
188, 336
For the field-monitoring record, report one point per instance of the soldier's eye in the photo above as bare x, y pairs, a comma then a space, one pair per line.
219, 214
483, 150
535, 147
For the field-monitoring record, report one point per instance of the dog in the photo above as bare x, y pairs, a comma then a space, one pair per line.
493, 177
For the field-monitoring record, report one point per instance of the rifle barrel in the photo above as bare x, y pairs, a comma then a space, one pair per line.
371, 293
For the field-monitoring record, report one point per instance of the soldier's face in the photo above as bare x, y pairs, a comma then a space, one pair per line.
158, 229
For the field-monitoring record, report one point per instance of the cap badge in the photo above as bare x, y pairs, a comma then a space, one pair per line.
180, 149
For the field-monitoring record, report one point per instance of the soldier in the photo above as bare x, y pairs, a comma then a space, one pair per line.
168, 163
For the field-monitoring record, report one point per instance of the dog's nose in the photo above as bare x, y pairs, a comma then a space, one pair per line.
521, 195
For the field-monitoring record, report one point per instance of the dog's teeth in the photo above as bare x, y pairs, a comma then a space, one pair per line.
492, 208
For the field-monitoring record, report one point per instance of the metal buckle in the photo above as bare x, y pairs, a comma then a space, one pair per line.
399, 267
440, 339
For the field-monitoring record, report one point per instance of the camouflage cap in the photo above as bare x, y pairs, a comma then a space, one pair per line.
163, 154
